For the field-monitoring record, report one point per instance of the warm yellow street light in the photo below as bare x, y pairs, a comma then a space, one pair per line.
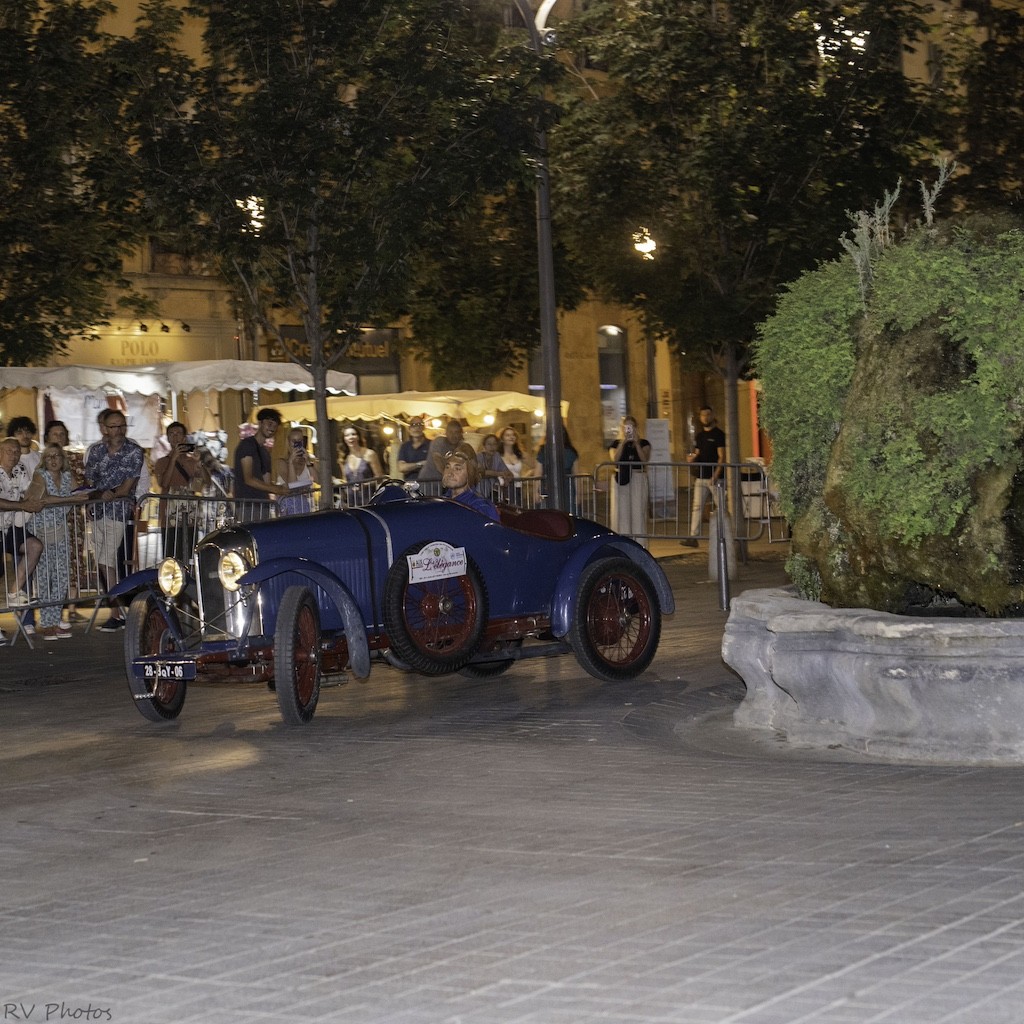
644, 244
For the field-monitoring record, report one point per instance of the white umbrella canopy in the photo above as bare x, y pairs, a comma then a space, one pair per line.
243, 375
158, 379
144, 380
472, 406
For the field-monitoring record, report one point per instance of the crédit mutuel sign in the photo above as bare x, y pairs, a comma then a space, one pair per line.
374, 351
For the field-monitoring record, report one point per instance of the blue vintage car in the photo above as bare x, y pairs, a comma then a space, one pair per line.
425, 584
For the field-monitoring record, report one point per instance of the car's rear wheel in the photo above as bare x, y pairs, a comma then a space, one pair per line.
434, 626
297, 670
616, 621
147, 631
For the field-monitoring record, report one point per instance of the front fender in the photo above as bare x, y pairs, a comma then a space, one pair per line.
137, 581
566, 589
355, 629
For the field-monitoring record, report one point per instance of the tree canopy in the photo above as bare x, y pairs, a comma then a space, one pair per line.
71, 196
738, 134
330, 142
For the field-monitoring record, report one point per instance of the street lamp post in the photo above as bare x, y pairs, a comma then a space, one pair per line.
646, 246
554, 453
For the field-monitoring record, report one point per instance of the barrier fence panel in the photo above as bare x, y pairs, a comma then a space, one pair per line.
71, 553
680, 503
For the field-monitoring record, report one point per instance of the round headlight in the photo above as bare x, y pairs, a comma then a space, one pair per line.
232, 567
171, 577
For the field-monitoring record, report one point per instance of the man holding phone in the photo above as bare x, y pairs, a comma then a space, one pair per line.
180, 472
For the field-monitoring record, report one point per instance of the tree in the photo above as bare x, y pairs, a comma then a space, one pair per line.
992, 111
70, 190
738, 135
474, 308
333, 141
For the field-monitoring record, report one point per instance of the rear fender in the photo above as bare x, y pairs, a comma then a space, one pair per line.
567, 588
355, 628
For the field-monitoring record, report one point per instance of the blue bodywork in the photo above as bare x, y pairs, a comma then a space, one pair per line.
531, 564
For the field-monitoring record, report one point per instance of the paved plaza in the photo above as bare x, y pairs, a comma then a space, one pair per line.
536, 848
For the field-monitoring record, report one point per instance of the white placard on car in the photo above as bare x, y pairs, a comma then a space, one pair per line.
438, 560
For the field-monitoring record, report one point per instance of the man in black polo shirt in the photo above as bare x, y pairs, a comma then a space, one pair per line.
708, 461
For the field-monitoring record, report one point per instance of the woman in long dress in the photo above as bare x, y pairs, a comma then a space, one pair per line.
53, 484
630, 454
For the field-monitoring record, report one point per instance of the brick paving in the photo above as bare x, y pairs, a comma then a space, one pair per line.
537, 849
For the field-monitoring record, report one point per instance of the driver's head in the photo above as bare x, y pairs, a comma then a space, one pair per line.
460, 472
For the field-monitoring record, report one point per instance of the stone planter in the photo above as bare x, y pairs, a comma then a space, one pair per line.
896, 687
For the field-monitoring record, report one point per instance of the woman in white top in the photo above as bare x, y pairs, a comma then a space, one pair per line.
293, 471
516, 462
511, 453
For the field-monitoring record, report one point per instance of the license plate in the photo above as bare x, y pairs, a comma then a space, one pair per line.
173, 670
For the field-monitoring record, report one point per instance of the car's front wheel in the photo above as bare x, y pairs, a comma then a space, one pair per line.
147, 631
616, 621
297, 671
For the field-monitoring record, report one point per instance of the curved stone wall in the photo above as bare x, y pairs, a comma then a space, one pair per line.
897, 687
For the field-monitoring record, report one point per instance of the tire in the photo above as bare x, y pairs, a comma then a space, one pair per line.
147, 631
616, 621
297, 672
434, 627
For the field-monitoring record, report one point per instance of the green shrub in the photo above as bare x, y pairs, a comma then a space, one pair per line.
896, 413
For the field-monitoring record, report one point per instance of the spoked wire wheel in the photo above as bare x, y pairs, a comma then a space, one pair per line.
616, 622
434, 626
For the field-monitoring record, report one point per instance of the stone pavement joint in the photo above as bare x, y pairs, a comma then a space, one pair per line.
537, 849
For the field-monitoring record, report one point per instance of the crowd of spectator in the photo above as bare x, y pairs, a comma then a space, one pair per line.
54, 496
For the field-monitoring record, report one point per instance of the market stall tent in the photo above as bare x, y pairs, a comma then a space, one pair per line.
78, 392
472, 406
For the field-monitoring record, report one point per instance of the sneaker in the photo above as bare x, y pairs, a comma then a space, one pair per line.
18, 599
3, 639
63, 631
688, 543
49, 633
29, 629
112, 625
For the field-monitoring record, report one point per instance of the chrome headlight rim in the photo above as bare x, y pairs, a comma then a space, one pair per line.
231, 566
170, 576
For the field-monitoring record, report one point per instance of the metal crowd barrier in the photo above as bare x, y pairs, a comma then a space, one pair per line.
67, 572
674, 490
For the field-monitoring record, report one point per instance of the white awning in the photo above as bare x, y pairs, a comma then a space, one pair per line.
161, 378
243, 375
144, 381
469, 405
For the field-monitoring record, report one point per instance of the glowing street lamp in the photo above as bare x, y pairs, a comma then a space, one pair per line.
644, 244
